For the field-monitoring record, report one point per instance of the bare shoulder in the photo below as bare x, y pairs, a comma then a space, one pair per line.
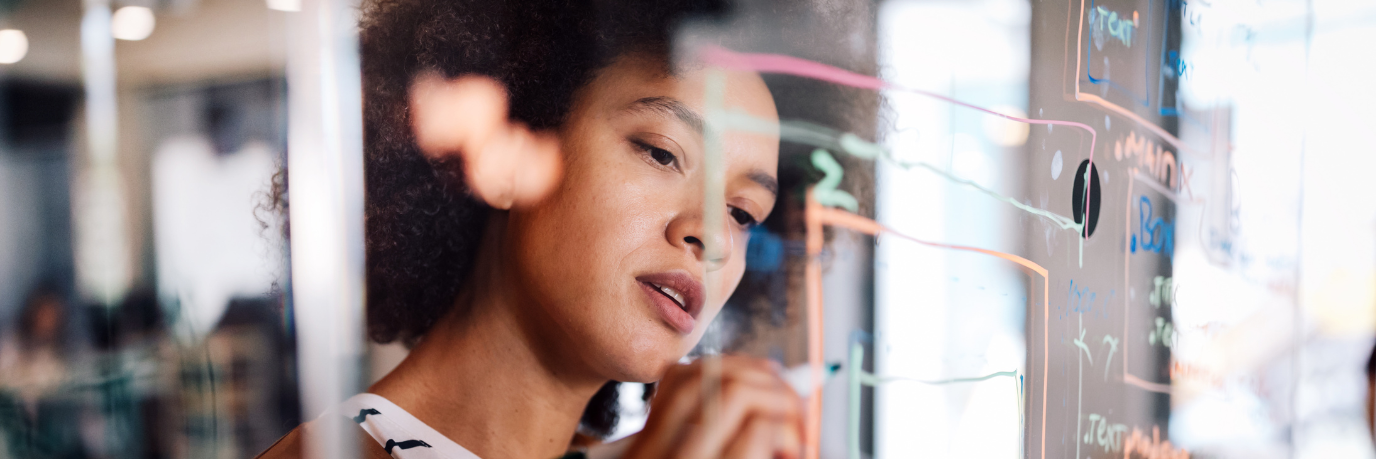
290, 445
287, 447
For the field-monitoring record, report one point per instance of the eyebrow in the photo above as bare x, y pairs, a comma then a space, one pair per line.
678, 109
765, 180
670, 106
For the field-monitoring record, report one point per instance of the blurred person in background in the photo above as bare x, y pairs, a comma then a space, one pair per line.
535, 230
37, 416
33, 362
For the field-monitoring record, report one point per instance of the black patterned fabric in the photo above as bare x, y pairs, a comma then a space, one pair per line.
399, 433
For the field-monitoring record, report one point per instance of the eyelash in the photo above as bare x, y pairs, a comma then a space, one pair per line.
743, 218
655, 154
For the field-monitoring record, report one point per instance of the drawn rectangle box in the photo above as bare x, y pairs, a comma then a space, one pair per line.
1114, 43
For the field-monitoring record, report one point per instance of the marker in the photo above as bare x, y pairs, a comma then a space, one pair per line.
799, 376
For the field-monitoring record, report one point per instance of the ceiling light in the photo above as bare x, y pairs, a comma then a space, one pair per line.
284, 5
13, 46
132, 23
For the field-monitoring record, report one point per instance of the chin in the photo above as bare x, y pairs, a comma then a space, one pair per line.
646, 358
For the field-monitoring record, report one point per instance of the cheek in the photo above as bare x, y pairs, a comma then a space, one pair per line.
578, 251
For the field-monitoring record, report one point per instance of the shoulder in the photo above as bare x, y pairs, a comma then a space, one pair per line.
287, 447
290, 445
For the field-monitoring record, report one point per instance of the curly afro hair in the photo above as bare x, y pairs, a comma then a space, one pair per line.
422, 225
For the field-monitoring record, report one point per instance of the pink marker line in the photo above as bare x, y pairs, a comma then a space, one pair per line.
789, 65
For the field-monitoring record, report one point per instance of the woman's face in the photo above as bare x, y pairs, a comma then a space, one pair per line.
613, 261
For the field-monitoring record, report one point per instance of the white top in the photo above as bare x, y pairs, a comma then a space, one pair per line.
398, 432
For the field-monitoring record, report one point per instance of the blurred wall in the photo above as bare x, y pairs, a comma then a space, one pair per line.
194, 43
35, 233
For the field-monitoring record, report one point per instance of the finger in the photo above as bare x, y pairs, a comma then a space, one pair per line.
759, 372
790, 440
682, 391
676, 411
740, 402
542, 170
664, 443
669, 423
452, 116
755, 441
747, 362
745, 369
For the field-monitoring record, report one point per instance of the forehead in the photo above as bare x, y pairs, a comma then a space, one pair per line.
631, 79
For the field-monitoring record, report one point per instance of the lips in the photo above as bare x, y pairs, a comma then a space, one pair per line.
677, 297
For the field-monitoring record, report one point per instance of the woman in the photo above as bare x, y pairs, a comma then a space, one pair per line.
527, 286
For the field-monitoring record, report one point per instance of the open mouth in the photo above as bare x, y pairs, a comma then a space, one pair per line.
678, 297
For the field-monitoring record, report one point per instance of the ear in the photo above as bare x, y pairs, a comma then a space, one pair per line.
506, 163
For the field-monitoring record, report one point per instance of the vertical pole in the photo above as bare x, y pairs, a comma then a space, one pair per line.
103, 262
325, 177
101, 249
98, 75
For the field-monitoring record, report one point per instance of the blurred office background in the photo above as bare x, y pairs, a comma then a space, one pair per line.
144, 275
142, 280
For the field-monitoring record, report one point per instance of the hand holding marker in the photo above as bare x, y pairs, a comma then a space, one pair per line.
800, 377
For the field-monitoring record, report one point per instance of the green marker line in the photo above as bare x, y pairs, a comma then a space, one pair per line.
826, 192
1060, 220
824, 137
1080, 343
714, 198
713, 165
871, 380
1113, 347
856, 377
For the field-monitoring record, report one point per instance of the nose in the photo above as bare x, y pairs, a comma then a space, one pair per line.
688, 231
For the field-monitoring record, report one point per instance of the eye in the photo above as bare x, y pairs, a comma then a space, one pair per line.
658, 155
743, 218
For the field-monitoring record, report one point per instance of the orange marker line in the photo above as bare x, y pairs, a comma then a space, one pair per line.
816, 216
1147, 385
1110, 106
814, 325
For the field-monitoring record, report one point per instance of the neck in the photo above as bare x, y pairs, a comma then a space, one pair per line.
482, 377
